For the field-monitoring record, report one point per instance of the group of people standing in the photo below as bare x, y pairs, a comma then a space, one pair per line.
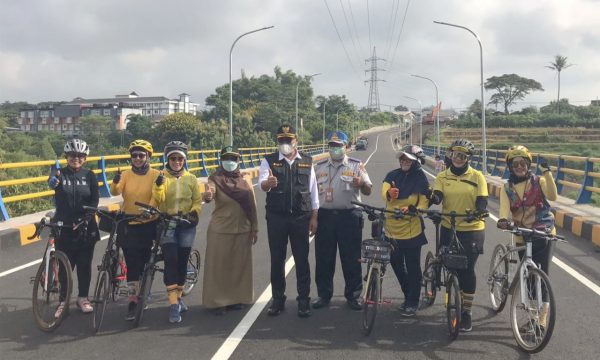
301, 200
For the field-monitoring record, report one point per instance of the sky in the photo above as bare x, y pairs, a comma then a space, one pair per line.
56, 50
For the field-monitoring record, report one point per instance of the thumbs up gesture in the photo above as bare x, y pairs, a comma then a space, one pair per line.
393, 192
117, 177
160, 179
54, 181
209, 194
271, 180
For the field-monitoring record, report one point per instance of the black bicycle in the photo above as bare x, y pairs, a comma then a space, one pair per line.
166, 223
440, 270
112, 268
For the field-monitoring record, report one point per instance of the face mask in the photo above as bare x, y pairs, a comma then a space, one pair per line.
286, 149
229, 165
336, 153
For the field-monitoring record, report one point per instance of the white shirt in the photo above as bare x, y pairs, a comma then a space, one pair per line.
263, 174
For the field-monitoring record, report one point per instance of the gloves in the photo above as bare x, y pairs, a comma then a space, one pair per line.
54, 181
436, 197
117, 177
544, 166
435, 218
477, 215
192, 217
160, 179
393, 192
503, 224
412, 210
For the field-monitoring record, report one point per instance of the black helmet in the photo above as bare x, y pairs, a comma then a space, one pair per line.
176, 147
462, 145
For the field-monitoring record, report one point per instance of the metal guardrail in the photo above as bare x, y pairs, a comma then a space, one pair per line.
561, 165
199, 162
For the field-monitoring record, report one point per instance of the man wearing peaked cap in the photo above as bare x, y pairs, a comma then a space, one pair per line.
288, 178
340, 180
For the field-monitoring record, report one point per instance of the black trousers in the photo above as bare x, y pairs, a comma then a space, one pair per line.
80, 258
338, 229
176, 260
135, 259
280, 228
472, 243
406, 263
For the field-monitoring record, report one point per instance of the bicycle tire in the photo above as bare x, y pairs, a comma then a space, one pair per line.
531, 328
193, 272
371, 302
102, 292
145, 287
498, 279
453, 306
44, 310
428, 286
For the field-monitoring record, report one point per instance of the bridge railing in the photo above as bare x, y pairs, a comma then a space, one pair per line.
579, 174
24, 183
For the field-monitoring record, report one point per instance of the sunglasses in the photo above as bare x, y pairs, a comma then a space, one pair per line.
521, 163
176, 158
459, 156
138, 155
78, 156
284, 140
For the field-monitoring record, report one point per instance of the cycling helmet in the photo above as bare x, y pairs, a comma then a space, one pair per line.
462, 145
176, 147
141, 144
516, 151
77, 146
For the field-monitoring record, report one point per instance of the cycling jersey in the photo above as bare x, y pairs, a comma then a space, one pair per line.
178, 194
134, 188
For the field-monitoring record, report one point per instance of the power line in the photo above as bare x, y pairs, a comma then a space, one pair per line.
369, 23
339, 37
392, 25
400, 34
350, 30
354, 26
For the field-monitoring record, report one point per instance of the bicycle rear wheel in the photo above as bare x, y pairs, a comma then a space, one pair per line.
193, 271
532, 315
453, 306
371, 302
428, 286
46, 300
102, 292
145, 287
498, 278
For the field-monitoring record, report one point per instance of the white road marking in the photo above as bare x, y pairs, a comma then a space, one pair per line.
561, 264
374, 151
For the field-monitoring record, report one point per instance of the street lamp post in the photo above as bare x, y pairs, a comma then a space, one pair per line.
297, 86
337, 120
231, 84
420, 120
324, 104
437, 120
484, 137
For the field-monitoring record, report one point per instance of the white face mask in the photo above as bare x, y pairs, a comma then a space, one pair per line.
229, 165
286, 149
336, 153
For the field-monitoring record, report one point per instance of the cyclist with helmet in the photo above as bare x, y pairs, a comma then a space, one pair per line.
525, 201
75, 186
177, 193
406, 188
460, 188
136, 237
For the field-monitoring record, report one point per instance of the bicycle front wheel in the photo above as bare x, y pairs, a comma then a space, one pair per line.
532, 311
498, 278
428, 286
102, 292
453, 306
193, 271
145, 287
371, 302
51, 287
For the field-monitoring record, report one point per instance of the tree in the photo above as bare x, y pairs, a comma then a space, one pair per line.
475, 108
559, 64
177, 127
400, 108
139, 127
510, 88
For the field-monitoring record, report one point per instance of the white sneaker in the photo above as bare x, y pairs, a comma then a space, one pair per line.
60, 309
85, 305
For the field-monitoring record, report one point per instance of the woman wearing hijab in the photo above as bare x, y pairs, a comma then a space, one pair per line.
404, 188
231, 233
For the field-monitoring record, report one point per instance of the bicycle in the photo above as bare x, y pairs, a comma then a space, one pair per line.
376, 253
166, 223
532, 309
440, 270
112, 269
53, 282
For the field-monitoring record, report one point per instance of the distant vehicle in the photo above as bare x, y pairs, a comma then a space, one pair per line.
361, 145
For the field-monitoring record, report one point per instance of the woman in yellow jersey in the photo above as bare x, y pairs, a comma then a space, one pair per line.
136, 237
177, 192
458, 188
404, 188
525, 201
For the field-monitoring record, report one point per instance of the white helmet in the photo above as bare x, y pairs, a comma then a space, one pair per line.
77, 146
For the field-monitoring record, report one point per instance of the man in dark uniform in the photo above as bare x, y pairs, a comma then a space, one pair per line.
288, 178
340, 180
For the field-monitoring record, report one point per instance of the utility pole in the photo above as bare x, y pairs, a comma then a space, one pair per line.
373, 103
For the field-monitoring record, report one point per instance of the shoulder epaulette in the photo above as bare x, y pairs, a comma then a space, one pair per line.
354, 159
323, 161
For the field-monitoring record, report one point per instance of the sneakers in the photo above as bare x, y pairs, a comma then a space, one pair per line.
130, 316
320, 303
174, 315
60, 309
402, 306
84, 304
277, 306
465, 322
304, 308
182, 306
408, 311
354, 304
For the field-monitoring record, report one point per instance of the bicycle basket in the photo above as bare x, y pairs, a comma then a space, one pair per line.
454, 261
376, 250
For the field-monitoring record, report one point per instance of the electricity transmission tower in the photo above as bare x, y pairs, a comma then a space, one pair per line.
373, 103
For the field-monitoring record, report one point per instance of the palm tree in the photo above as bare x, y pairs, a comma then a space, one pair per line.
559, 64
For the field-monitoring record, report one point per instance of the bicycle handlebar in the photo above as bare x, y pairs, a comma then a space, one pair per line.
112, 215
151, 210
369, 209
526, 232
42, 224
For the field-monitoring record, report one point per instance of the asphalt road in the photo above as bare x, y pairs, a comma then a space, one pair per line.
333, 332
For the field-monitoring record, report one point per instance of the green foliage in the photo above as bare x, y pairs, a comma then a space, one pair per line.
510, 88
176, 127
139, 127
